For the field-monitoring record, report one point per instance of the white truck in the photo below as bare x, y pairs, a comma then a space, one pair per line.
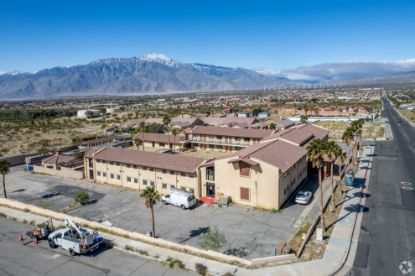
75, 239
179, 198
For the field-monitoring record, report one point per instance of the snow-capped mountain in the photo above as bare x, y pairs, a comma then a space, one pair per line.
153, 73
350, 71
157, 73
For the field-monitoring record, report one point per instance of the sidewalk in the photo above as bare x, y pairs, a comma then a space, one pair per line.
334, 257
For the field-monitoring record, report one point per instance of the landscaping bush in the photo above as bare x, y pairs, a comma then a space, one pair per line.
213, 240
82, 198
201, 269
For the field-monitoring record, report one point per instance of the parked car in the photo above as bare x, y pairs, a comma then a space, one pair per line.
179, 198
303, 197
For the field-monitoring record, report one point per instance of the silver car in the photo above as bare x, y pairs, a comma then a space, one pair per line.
303, 197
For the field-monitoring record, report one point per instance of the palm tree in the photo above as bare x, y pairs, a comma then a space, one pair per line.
357, 129
331, 151
315, 154
303, 119
138, 142
341, 159
166, 121
151, 197
4, 169
347, 138
174, 132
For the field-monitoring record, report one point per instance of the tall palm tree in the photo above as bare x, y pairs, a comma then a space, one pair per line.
151, 197
166, 122
4, 169
174, 132
347, 138
138, 142
331, 150
357, 129
315, 154
341, 159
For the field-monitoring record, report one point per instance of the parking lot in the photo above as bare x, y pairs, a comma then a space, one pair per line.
24, 258
249, 233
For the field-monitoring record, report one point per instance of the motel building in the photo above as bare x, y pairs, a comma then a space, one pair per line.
262, 174
139, 169
225, 139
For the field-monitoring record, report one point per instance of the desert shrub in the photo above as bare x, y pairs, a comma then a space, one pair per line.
82, 198
201, 269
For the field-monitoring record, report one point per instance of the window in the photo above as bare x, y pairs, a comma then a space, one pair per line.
182, 174
183, 188
144, 182
128, 166
144, 168
135, 180
171, 172
244, 193
153, 144
104, 174
152, 183
162, 145
164, 185
192, 191
128, 179
112, 176
244, 169
151, 169
163, 171
210, 173
172, 187
246, 140
99, 173
211, 146
118, 177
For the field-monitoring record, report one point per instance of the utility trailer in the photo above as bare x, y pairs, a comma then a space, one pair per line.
41, 231
76, 240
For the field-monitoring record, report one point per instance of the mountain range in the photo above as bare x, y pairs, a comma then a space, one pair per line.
157, 73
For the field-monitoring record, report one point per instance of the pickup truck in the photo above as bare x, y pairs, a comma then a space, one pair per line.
76, 240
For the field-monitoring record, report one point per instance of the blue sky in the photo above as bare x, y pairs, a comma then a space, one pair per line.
270, 34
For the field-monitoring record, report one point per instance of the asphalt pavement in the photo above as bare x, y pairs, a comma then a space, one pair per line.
24, 258
387, 236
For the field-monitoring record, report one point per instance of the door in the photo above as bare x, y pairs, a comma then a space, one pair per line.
210, 189
58, 239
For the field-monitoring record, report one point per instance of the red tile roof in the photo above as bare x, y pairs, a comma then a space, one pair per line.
233, 132
58, 159
277, 153
171, 162
159, 138
301, 135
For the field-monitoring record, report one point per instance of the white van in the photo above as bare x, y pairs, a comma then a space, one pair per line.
179, 198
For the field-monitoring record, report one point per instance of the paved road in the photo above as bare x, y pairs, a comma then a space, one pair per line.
387, 238
19, 259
